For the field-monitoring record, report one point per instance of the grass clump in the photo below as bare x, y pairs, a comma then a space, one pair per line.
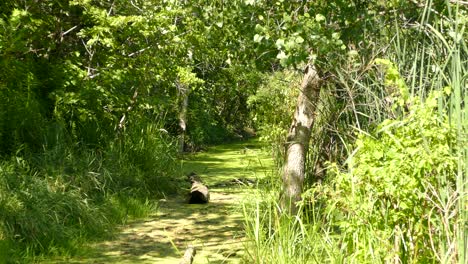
52, 202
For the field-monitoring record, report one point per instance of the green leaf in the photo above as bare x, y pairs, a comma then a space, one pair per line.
290, 44
447, 90
320, 18
259, 28
299, 40
281, 55
378, 155
279, 43
258, 38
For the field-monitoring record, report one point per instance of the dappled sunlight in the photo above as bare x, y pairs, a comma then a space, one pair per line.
228, 162
215, 229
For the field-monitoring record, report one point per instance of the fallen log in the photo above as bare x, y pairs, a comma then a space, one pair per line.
188, 255
199, 193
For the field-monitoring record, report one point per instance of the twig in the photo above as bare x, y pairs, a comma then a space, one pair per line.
129, 108
110, 9
68, 31
138, 52
91, 54
459, 2
135, 6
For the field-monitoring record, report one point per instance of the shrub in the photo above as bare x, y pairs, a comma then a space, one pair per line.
272, 106
394, 196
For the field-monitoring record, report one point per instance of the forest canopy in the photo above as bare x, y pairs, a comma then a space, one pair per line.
102, 98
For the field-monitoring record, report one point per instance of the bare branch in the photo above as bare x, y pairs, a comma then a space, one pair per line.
129, 108
110, 9
86, 47
135, 6
459, 2
68, 31
138, 52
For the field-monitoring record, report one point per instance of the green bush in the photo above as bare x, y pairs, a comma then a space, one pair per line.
272, 107
392, 202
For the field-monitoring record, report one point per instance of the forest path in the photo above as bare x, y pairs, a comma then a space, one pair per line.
231, 172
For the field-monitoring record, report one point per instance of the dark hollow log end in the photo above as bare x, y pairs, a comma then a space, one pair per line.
199, 194
197, 199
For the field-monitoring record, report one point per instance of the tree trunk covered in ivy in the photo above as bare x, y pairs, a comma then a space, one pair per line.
298, 140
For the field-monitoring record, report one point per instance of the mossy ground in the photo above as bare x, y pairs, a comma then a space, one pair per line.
232, 172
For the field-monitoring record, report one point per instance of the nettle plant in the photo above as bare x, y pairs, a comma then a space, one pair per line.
390, 198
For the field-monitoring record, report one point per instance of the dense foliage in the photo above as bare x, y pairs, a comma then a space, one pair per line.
88, 120
387, 164
392, 187
92, 90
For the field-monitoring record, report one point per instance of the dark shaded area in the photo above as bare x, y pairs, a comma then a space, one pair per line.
199, 194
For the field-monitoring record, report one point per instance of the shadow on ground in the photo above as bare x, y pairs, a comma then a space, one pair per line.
215, 229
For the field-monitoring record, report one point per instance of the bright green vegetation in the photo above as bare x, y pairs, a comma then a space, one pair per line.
388, 168
52, 202
387, 204
233, 171
223, 163
98, 98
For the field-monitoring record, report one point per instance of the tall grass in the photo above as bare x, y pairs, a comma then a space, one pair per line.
441, 64
53, 201
399, 193
282, 239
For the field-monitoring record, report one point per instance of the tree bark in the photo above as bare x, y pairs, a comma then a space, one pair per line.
121, 124
298, 141
183, 105
199, 193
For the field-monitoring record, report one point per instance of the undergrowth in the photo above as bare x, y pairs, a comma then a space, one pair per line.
51, 202
387, 173
395, 202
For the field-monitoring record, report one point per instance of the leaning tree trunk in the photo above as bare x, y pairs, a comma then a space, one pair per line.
183, 105
298, 140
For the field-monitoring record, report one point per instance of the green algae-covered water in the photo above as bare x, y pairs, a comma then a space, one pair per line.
232, 173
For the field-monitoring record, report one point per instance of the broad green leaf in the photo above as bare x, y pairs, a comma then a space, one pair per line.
319, 17
281, 55
280, 43
258, 38
299, 40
